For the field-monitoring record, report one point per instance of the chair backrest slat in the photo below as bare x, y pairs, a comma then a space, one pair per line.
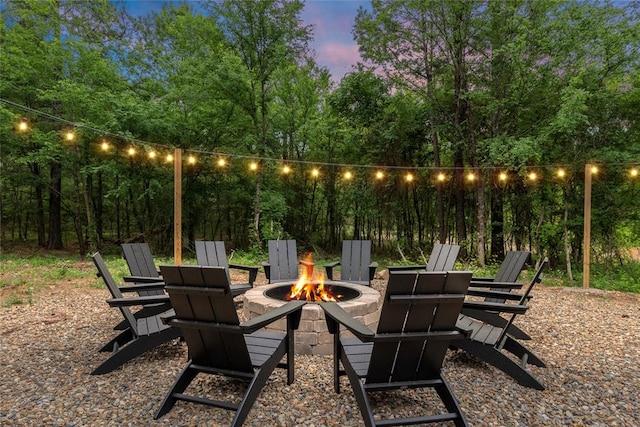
222, 348
537, 278
512, 265
213, 254
104, 272
356, 257
416, 359
443, 257
139, 259
283, 257
509, 270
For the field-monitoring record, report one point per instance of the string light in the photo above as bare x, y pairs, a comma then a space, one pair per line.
532, 176
131, 151
348, 175
169, 158
23, 125
315, 172
441, 177
152, 154
104, 145
286, 169
222, 162
503, 176
253, 166
191, 159
471, 177
409, 177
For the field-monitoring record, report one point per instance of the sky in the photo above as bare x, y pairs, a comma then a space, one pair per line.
332, 22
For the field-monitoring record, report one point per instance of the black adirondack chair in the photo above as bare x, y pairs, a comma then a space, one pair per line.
141, 266
212, 253
490, 343
502, 284
509, 270
218, 343
283, 261
143, 270
417, 323
443, 257
141, 334
356, 265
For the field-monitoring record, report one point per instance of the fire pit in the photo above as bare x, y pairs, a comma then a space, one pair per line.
312, 337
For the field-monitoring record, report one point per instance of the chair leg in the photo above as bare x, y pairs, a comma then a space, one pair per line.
181, 383
496, 358
257, 383
520, 350
360, 393
119, 341
134, 349
450, 402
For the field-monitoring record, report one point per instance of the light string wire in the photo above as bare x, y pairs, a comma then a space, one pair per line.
80, 125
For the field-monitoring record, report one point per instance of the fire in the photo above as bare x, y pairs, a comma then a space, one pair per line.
310, 285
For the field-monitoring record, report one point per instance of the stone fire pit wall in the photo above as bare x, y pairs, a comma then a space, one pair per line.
313, 337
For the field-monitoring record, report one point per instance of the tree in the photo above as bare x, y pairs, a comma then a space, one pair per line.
265, 35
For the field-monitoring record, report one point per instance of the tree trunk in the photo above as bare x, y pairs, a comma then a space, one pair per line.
497, 224
256, 213
55, 206
481, 223
35, 168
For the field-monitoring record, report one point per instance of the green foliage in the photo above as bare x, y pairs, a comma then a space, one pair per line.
12, 300
514, 85
625, 277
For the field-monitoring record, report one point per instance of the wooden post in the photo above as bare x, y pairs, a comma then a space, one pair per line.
177, 206
587, 226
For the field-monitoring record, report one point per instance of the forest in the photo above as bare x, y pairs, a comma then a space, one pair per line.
466, 122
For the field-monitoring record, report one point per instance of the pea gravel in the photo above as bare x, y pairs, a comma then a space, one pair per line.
590, 340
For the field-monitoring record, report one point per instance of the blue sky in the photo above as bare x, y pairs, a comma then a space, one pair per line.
332, 22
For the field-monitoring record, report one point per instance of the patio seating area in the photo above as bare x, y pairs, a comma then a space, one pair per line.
50, 347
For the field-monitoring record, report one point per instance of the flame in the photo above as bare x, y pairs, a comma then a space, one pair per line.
310, 285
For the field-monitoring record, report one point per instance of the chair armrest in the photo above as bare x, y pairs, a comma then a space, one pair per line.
496, 306
126, 302
504, 285
372, 270
406, 267
142, 279
267, 318
267, 271
482, 279
334, 311
329, 269
253, 271
495, 294
166, 320
155, 286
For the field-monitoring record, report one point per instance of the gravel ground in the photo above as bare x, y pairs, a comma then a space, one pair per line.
589, 339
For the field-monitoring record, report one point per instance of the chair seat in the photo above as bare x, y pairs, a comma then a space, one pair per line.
153, 324
358, 353
480, 331
262, 344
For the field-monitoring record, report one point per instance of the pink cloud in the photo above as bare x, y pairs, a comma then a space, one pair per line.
338, 53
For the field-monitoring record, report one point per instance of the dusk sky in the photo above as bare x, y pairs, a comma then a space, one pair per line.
332, 22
